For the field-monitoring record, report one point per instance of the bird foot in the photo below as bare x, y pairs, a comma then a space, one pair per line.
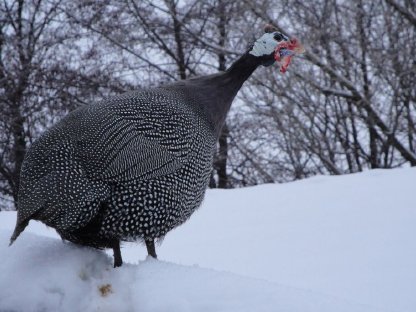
118, 261
151, 250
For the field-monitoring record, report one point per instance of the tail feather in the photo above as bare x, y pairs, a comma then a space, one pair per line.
20, 227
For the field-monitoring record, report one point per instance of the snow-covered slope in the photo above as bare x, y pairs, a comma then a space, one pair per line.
42, 274
342, 243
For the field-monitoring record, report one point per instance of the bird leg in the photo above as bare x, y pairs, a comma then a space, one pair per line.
151, 250
118, 261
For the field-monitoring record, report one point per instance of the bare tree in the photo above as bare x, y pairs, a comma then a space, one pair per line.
40, 80
347, 105
350, 106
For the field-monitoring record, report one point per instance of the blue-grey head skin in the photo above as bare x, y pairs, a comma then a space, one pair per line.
132, 167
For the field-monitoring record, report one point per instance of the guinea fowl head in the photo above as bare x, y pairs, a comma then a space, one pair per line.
266, 47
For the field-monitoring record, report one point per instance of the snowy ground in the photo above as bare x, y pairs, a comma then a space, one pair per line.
323, 244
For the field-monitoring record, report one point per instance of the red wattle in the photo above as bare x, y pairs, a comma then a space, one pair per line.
285, 60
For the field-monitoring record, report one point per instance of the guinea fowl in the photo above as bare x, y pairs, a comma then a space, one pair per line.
133, 167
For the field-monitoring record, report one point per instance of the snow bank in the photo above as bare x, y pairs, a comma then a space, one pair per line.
350, 237
43, 274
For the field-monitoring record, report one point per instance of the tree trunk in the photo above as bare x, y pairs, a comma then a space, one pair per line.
223, 140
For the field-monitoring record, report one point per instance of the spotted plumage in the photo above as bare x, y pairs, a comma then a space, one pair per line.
132, 167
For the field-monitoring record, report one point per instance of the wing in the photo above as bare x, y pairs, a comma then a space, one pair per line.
136, 138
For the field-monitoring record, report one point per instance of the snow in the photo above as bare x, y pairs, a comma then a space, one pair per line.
344, 243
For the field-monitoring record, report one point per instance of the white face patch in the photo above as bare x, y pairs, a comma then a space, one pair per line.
265, 45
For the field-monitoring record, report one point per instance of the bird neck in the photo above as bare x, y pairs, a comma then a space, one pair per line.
242, 69
223, 87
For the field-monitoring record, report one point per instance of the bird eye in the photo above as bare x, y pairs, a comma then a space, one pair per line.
278, 36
